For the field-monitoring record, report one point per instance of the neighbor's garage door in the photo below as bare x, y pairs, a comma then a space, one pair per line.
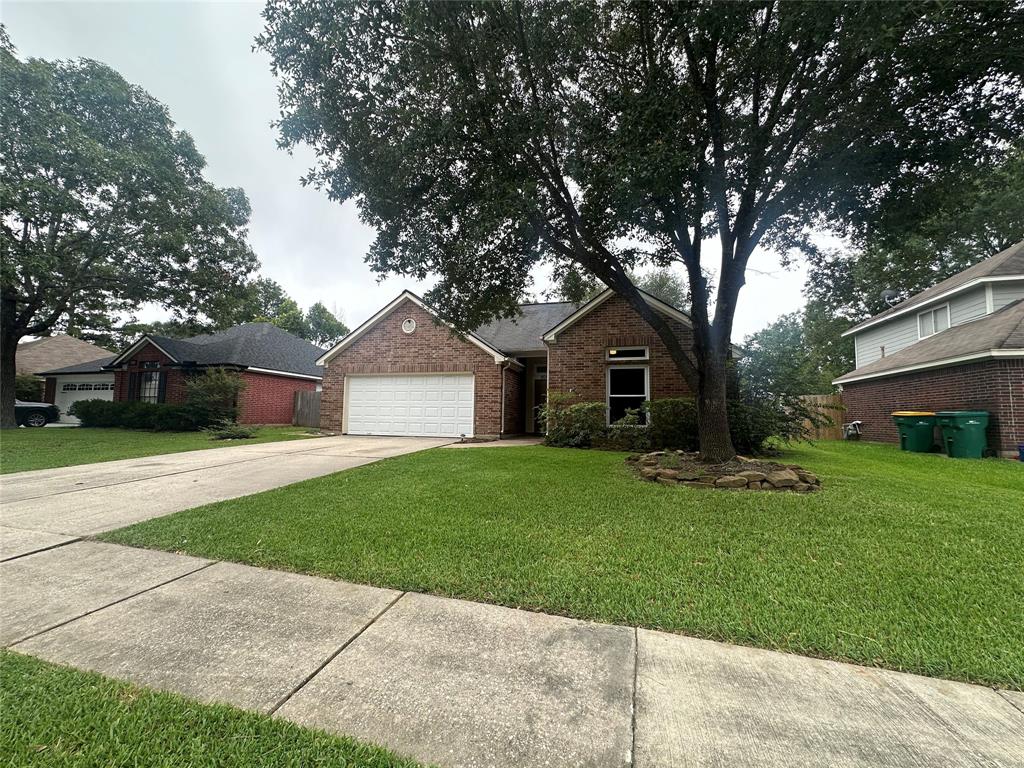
72, 388
428, 405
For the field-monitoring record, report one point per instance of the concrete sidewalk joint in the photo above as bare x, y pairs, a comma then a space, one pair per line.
334, 655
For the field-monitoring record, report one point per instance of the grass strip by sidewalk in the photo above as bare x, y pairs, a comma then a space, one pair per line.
55, 716
25, 449
907, 561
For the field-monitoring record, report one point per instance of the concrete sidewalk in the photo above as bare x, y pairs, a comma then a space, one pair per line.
467, 684
50, 506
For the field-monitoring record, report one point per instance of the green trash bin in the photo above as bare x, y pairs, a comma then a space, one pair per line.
963, 433
917, 430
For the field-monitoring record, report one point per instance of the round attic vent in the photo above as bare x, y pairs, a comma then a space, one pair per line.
408, 325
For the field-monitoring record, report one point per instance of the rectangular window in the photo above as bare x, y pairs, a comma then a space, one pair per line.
69, 388
933, 321
628, 388
149, 387
151, 364
627, 353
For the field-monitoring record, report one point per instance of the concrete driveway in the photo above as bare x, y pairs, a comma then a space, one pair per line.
49, 507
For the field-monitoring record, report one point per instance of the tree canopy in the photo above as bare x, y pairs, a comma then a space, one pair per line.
103, 206
481, 138
779, 360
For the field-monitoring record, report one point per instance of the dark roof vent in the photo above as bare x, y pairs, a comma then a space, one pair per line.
890, 297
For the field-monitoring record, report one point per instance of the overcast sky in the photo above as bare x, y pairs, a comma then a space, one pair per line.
197, 58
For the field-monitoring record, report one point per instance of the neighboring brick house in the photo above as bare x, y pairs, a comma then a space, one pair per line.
274, 364
958, 345
403, 372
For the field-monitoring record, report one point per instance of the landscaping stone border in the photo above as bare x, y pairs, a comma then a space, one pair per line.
682, 468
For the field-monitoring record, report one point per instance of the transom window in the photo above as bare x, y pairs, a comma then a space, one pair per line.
149, 387
627, 353
151, 364
628, 388
933, 321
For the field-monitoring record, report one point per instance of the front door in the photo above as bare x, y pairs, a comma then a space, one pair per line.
540, 396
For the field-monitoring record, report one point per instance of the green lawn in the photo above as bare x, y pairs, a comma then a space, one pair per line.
913, 562
23, 449
54, 716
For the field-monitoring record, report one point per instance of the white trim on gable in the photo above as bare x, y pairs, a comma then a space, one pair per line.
135, 347
601, 298
497, 354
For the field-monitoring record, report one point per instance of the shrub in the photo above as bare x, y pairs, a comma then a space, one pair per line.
159, 417
230, 430
573, 424
627, 434
28, 387
755, 419
673, 423
216, 392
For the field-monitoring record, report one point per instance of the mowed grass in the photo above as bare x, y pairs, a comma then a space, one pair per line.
24, 449
54, 716
912, 562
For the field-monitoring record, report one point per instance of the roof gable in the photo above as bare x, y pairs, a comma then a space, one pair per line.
56, 352
585, 309
404, 296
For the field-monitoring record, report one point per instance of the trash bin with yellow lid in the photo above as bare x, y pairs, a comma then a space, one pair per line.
917, 430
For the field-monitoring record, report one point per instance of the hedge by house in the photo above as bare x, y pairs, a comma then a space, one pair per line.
672, 423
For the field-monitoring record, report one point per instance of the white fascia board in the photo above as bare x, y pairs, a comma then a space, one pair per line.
945, 363
921, 307
289, 374
601, 298
138, 345
346, 342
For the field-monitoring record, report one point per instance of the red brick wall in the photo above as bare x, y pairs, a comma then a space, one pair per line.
269, 399
175, 392
385, 348
576, 360
996, 386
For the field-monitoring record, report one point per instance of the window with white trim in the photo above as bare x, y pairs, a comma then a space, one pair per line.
932, 321
627, 353
628, 387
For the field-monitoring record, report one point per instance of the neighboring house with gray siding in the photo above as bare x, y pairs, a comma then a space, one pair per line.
957, 345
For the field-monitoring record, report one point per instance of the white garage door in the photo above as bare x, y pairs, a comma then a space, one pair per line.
428, 405
72, 388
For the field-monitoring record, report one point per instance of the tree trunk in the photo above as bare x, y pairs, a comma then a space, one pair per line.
712, 407
9, 338
7, 381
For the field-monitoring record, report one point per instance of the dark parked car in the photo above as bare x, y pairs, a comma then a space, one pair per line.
35, 414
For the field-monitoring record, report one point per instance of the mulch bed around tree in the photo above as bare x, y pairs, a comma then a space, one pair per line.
682, 468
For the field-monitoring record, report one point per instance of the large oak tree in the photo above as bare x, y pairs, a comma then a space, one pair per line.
103, 206
480, 138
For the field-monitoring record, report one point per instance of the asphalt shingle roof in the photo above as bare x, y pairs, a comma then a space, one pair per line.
253, 345
92, 366
1007, 262
1002, 330
523, 333
58, 351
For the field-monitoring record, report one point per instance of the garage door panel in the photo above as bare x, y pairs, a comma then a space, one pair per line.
415, 405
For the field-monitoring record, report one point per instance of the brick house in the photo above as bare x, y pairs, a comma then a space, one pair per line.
958, 345
404, 372
274, 364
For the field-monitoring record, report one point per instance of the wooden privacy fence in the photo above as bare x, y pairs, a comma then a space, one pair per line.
306, 412
829, 406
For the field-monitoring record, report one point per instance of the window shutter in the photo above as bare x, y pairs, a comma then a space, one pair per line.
161, 394
133, 386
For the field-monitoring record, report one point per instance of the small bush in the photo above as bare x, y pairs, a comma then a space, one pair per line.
27, 387
627, 434
216, 392
673, 423
573, 424
755, 419
230, 430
